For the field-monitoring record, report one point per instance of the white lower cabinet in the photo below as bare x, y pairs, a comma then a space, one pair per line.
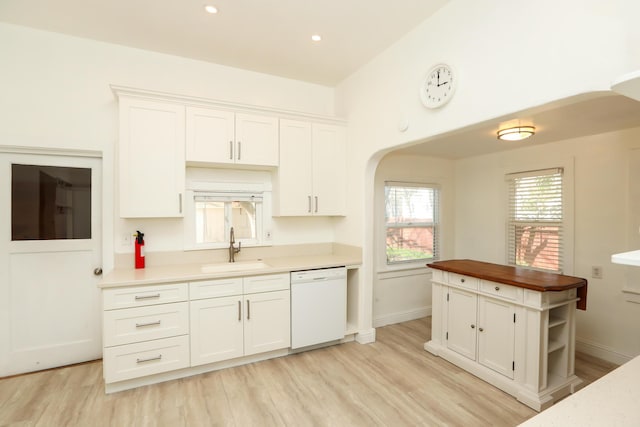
145, 358
216, 329
239, 325
496, 335
149, 336
482, 329
157, 329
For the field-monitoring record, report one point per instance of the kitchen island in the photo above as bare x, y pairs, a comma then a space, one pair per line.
510, 326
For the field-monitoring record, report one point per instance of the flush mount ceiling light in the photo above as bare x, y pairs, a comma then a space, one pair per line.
517, 133
316, 37
211, 9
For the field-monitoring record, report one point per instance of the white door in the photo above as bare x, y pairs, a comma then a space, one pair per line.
461, 322
256, 140
50, 245
294, 193
329, 170
496, 335
267, 322
210, 135
216, 329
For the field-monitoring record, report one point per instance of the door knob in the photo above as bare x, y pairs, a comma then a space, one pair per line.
97, 271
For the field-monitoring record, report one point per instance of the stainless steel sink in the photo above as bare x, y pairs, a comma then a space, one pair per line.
233, 266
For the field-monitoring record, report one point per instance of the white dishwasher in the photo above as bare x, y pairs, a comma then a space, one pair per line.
318, 306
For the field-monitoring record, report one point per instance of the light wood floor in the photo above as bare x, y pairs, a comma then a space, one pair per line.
392, 382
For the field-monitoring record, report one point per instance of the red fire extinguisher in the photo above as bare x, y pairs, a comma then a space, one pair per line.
139, 249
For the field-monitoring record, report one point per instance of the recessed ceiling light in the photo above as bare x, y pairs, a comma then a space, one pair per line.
211, 9
316, 37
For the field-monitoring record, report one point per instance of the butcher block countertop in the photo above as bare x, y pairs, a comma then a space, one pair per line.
516, 276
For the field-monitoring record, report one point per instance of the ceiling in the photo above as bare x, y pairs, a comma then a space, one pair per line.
574, 117
268, 36
274, 37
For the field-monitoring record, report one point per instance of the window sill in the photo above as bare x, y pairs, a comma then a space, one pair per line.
402, 270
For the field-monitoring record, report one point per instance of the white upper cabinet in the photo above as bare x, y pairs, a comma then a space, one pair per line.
151, 158
216, 136
312, 171
329, 169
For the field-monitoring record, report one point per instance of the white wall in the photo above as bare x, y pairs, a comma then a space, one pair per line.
509, 55
55, 93
403, 292
601, 198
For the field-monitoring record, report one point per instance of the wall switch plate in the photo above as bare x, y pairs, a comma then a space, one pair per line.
596, 272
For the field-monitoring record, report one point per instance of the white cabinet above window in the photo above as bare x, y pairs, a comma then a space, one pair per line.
225, 137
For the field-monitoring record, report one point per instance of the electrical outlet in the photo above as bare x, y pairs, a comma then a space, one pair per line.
268, 234
596, 272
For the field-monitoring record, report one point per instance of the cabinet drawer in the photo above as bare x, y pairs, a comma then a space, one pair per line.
439, 276
463, 281
271, 282
137, 324
512, 293
147, 358
144, 295
215, 288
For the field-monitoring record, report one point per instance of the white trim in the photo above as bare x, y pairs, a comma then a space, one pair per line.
601, 351
405, 316
216, 103
366, 336
44, 151
408, 271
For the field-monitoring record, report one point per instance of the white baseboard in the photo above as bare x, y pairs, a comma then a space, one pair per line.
600, 351
390, 319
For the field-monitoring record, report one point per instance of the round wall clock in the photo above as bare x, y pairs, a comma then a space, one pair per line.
438, 87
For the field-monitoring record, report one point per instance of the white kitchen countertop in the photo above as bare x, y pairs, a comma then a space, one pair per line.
191, 272
610, 401
628, 258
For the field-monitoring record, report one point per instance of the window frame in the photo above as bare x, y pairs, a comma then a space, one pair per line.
228, 191
435, 224
564, 223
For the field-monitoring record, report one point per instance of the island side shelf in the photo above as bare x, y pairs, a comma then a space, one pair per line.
510, 326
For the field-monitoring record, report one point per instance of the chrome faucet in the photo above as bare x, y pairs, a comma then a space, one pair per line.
233, 250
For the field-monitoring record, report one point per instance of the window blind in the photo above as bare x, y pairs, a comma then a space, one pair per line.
411, 220
535, 219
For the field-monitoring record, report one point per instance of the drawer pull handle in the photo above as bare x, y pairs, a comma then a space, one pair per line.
143, 297
151, 359
497, 288
142, 325
248, 310
239, 311
461, 280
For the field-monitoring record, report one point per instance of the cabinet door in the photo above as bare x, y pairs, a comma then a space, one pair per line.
267, 322
210, 135
461, 322
151, 158
329, 169
293, 195
256, 140
496, 333
216, 329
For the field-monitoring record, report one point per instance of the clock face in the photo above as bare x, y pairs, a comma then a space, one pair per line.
438, 87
